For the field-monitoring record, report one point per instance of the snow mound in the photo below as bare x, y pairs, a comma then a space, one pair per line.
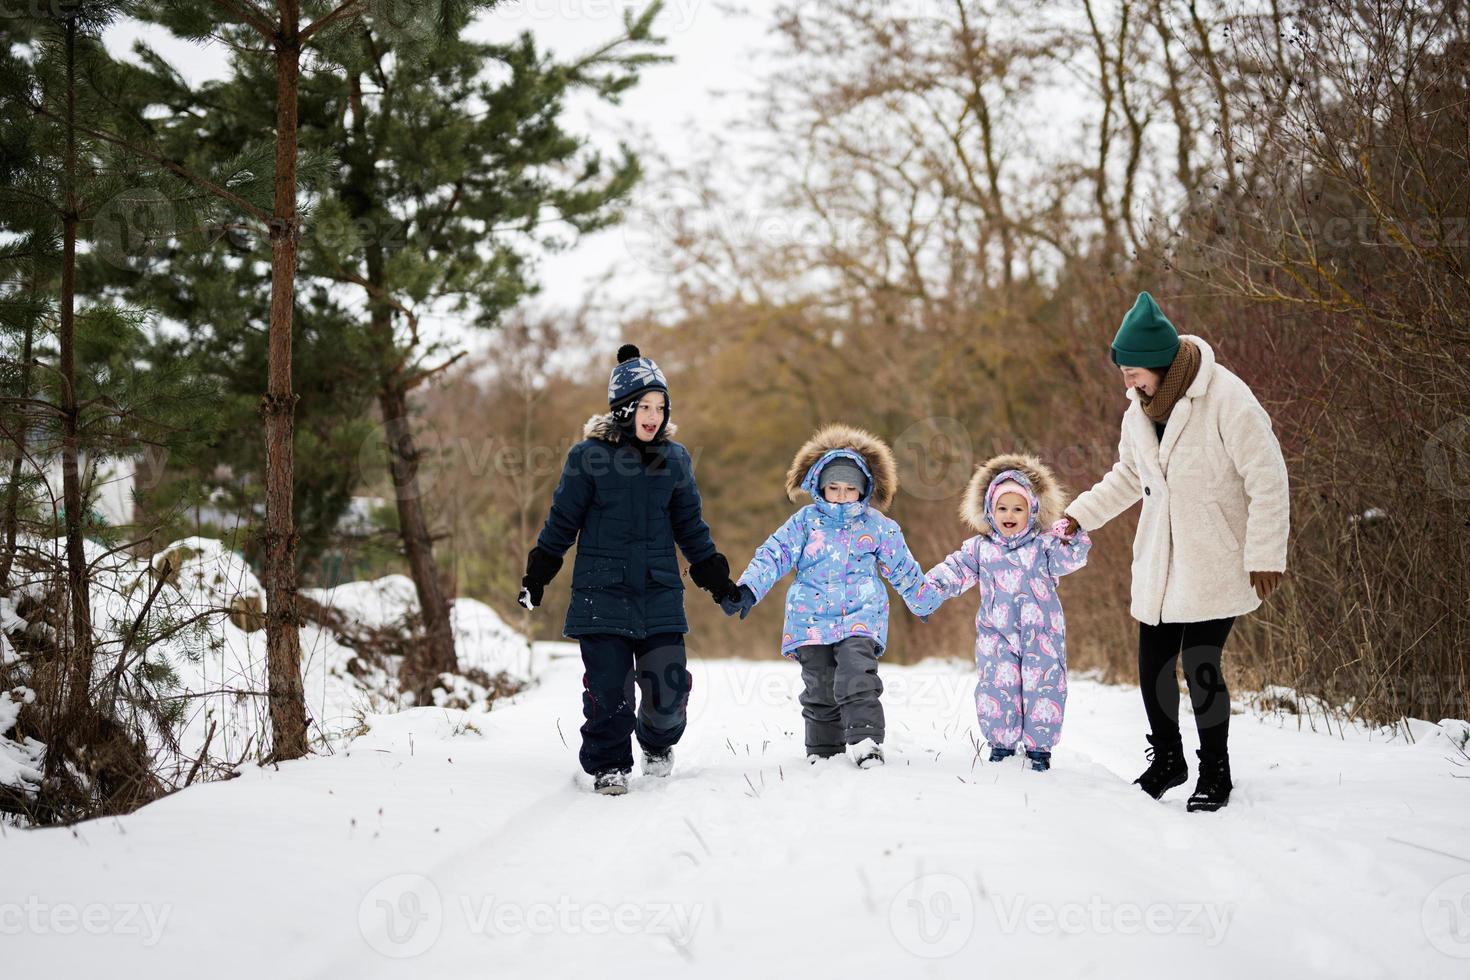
20, 761
490, 653
378, 603
209, 572
212, 668
1457, 731
487, 643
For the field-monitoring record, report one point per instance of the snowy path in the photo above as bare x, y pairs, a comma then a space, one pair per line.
420, 853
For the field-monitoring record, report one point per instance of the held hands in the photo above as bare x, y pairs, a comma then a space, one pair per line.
713, 576
742, 605
1265, 583
1067, 526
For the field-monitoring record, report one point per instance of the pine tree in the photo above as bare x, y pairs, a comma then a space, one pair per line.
442, 161
73, 183
449, 172
280, 38
71, 358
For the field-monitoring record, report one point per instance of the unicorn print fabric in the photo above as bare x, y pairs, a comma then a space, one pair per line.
1020, 629
838, 551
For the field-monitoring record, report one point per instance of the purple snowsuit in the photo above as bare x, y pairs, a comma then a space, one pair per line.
838, 552
1020, 643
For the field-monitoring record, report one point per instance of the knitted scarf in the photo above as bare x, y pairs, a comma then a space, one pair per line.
1177, 380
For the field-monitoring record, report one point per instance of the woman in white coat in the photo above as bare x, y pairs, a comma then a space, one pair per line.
1197, 448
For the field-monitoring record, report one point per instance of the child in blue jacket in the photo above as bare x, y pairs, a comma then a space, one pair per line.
837, 609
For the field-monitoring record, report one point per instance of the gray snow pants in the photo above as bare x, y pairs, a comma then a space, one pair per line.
840, 697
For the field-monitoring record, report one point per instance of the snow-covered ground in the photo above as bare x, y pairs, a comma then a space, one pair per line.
442, 844
216, 670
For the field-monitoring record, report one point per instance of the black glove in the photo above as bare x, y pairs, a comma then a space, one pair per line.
742, 605
713, 576
541, 568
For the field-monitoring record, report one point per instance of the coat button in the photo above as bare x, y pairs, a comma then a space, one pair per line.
1147, 491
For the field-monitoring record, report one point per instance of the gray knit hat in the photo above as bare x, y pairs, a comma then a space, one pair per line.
843, 470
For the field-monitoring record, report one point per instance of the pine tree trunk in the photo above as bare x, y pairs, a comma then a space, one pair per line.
436, 655
12, 492
283, 642
79, 672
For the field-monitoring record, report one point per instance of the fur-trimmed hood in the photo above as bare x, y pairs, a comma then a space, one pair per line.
605, 427
874, 453
1051, 496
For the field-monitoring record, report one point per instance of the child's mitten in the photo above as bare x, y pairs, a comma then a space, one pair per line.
743, 605
541, 568
713, 576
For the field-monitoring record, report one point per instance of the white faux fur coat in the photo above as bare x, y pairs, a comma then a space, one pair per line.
1214, 494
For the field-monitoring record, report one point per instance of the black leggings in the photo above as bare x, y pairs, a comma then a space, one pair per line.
1159, 649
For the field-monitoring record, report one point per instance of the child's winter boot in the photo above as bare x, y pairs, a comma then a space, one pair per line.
1040, 759
658, 763
866, 754
611, 782
998, 754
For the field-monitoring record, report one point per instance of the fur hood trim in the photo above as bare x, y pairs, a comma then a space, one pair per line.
1051, 496
874, 452
605, 427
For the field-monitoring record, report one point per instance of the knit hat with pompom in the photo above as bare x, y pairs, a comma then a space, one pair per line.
633, 376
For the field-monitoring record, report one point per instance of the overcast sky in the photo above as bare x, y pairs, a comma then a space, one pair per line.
716, 50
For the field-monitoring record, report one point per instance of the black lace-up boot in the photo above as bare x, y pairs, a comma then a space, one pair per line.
1166, 768
1214, 786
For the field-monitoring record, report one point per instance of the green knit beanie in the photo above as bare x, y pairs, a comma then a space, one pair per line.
1146, 339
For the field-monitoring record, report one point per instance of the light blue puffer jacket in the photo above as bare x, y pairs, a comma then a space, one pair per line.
838, 551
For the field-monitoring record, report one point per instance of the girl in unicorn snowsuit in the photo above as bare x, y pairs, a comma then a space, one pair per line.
1020, 643
837, 609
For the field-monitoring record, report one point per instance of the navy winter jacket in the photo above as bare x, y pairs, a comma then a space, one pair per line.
626, 511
